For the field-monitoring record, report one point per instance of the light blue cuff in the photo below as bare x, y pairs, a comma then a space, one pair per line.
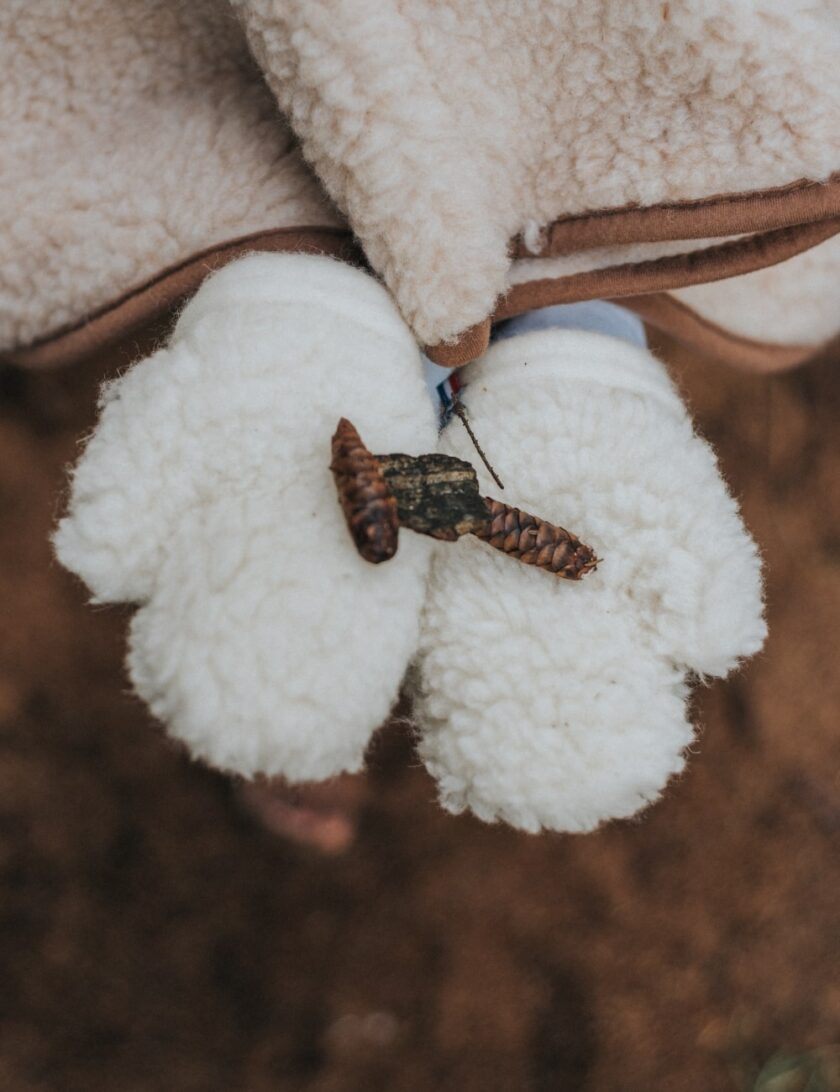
594, 316
597, 316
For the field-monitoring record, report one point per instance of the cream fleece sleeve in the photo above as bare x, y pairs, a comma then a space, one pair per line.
443, 130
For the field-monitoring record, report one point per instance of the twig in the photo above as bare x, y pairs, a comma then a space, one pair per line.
461, 413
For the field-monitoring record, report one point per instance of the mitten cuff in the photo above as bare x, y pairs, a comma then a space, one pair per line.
570, 356
275, 281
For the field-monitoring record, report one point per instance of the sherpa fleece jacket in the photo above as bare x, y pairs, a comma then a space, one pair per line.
481, 157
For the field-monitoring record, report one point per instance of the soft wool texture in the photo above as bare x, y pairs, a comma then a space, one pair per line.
267, 645
133, 134
442, 130
550, 704
204, 495
136, 135
794, 302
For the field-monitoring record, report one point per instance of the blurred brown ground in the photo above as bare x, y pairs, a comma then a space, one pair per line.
153, 938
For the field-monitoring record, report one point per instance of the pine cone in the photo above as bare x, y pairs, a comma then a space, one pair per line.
537, 542
369, 506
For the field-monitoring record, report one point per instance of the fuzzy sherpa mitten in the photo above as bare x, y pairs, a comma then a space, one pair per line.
205, 496
558, 704
268, 645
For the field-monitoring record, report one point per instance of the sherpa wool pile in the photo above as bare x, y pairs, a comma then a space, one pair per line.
443, 130
268, 645
263, 640
556, 704
133, 135
137, 134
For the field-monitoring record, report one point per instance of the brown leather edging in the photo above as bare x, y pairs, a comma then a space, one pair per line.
714, 263
134, 308
732, 259
676, 318
707, 218
795, 208
470, 345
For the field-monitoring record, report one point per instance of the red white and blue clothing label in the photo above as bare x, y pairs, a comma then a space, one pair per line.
445, 387
599, 316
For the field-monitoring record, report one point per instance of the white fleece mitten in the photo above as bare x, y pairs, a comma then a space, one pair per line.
263, 640
556, 704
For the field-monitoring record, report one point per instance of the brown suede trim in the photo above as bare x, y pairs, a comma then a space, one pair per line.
791, 213
714, 263
731, 259
674, 317
140, 305
470, 345
708, 218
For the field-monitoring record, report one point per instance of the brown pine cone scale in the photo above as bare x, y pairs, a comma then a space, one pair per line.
368, 504
535, 541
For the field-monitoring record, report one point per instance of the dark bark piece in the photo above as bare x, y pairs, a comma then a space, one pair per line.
436, 495
535, 541
369, 507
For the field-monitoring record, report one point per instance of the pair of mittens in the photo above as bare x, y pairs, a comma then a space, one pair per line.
267, 644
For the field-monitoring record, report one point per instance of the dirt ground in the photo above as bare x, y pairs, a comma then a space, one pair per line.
152, 937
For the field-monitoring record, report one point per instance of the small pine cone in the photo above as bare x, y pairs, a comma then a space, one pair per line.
369, 507
536, 541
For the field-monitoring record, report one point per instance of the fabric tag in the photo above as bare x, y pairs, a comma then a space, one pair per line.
445, 386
